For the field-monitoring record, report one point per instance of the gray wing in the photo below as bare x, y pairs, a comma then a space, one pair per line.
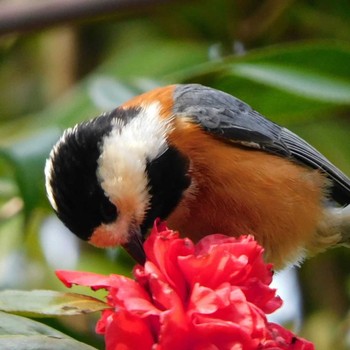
231, 119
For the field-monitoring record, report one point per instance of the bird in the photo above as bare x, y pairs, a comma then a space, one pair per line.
203, 161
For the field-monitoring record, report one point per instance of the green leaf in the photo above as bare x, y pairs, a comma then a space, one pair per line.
44, 303
40, 342
27, 158
306, 83
284, 82
20, 333
155, 58
129, 75
331, 137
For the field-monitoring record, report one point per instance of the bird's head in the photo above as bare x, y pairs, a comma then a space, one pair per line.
108, 179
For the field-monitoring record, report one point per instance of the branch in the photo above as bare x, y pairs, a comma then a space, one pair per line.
33, 15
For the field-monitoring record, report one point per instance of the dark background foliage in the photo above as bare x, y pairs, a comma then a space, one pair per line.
289, 59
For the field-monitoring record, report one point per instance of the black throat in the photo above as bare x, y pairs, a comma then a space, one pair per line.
168, 179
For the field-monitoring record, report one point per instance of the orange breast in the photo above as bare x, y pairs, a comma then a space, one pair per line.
242, 191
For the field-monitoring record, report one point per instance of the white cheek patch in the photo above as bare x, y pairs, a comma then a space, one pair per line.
125, 151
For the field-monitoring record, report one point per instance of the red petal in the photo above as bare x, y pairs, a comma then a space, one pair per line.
163, 249
159, 230
173, 332
224, 335
87, 279
240, 262
262, 296
281, 338
207, 301
127, 331
104, 321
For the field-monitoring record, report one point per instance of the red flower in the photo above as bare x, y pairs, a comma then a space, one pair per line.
210, 296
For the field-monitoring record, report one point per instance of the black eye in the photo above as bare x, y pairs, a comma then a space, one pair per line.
108, 211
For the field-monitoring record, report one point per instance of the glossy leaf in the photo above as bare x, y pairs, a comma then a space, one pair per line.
45, 303
19, 333
40, 342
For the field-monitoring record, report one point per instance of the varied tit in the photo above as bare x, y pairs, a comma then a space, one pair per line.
204, 161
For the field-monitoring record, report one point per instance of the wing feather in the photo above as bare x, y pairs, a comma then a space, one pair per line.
231, 119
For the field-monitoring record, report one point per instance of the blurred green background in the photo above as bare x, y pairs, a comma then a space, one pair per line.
290, 60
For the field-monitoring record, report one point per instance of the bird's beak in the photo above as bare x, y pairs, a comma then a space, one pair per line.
135, 245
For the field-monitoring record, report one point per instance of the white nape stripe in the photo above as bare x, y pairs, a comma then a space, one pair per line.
124, 155
49, 190
49, 166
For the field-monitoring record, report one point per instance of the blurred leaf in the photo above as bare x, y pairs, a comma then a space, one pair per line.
128, 72
27, 158
108, 93
43, 303
329, 58
283, 80
40, 342
19, 333
331, 137
298, 81
331, 23
154, 58
279, 106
